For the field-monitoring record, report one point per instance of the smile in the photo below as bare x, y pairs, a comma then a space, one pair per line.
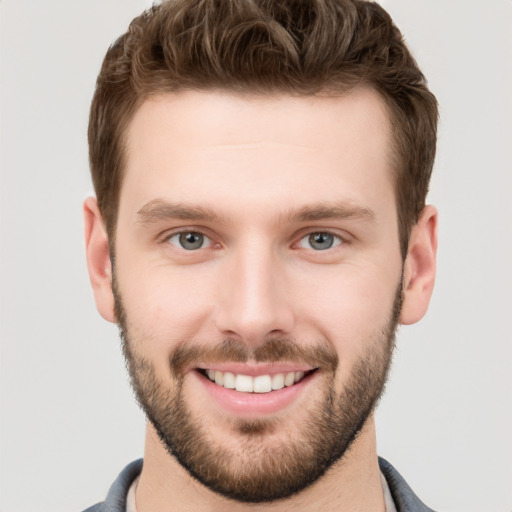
254, 384
254, 390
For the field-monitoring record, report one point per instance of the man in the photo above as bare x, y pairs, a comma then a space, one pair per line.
259, 232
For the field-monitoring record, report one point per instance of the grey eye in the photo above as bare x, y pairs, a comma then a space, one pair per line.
320, 241
188, 240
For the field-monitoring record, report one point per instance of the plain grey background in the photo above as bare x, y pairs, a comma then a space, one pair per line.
69, 423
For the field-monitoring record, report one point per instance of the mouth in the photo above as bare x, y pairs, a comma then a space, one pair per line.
254, 390
263, 383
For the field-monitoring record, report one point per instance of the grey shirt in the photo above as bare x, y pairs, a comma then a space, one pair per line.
403, 497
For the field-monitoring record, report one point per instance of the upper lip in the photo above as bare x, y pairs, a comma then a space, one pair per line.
255, 369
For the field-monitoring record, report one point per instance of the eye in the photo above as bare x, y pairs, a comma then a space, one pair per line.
189, 240
319, 241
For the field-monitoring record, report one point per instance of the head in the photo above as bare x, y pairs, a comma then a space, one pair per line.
261, 173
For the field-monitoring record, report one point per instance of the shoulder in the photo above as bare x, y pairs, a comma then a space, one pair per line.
403, 496
116, 497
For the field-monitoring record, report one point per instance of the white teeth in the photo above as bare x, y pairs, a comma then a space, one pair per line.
278, 381
219, 378
289, 379
229, 380
244, 383
259, 384
262, 384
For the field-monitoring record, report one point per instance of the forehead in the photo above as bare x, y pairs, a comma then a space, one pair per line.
221, 118
219, 149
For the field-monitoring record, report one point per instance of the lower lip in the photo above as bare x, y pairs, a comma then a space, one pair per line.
255, 404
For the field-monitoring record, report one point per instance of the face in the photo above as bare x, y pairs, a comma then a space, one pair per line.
258, 280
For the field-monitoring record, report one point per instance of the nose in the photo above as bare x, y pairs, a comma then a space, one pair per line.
254, 302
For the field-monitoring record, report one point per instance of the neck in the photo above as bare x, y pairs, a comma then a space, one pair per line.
351, 484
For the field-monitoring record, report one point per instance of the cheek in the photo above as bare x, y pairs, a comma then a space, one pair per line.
352, 311
164, 308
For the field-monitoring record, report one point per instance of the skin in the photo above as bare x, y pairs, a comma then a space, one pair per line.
255, 162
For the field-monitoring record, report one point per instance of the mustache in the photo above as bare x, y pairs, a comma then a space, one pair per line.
275, 350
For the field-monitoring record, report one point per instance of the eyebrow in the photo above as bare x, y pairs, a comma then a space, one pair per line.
336, 211
157, 210
162, 210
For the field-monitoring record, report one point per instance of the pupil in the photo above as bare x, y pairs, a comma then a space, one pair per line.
321, 241
191, 240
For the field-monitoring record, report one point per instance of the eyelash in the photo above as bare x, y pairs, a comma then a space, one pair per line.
187, 232
337, 240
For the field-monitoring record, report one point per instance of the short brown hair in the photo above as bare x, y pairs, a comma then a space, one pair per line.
301, 47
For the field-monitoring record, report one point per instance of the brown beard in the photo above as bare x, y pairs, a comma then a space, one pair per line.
255, 470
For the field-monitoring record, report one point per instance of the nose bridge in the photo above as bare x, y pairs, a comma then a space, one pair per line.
253, 302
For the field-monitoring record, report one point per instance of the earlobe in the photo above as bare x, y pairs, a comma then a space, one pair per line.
98, 259
420, 267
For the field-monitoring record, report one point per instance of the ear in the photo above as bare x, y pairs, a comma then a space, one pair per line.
420, 267
98, 259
